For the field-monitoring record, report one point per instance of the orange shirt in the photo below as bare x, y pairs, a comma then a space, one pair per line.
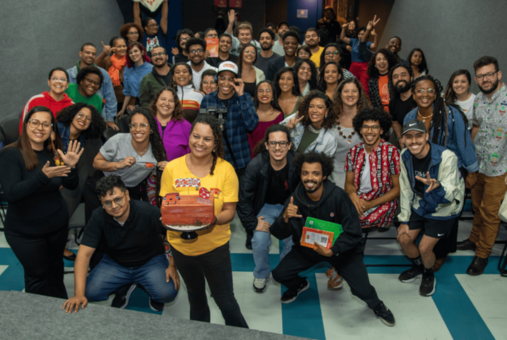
383, 90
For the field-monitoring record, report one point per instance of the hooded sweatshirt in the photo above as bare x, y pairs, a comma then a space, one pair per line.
45, 99
334, 206
190, 100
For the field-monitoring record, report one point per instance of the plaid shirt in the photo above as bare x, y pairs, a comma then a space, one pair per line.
241, 118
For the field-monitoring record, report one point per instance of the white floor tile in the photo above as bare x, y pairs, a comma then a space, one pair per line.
347, 317
2, 269
238, 239
488, 293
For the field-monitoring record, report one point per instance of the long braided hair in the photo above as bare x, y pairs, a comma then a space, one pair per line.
214, 124
440, 119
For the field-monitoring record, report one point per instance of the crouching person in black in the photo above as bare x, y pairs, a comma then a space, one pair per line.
134, 252
319, 198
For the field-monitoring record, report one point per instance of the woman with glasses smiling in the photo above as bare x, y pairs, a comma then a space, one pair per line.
132, 32
88, 81
33, 169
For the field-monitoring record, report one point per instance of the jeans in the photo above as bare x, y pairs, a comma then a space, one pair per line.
215, 267
261, 242
42, 260
108, 276
351, 268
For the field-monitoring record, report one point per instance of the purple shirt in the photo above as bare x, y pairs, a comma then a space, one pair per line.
175, 138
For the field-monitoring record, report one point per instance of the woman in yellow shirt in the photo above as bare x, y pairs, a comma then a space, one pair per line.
208, 256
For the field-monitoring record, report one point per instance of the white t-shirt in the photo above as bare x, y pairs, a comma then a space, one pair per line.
467, 107
196, 76
365, 182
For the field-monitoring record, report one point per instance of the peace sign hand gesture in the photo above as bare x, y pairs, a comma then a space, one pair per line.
240, 88
73, 154
430, 182
293, 122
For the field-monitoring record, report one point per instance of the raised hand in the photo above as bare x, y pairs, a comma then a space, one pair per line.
373, 33
55, 171
293, 122
107, 49
73, 154
369, 26
291, 211
375, 21
262, 225
432, 183
232, 15
175, 51
240, 88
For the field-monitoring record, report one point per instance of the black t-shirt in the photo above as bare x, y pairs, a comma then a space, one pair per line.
399, 108
216, 61
263, 63
421, 167
250, 88
278, 186
134, 243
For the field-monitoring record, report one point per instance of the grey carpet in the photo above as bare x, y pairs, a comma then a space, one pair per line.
28, 316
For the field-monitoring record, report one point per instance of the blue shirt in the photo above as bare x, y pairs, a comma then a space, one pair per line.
458, 138
241, 118
106, 91
132, 77
65, 136
354, 54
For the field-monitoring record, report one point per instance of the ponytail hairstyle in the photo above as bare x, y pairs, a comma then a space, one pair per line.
440, 119
214, 124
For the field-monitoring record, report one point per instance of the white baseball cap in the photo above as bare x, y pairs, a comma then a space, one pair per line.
228, 66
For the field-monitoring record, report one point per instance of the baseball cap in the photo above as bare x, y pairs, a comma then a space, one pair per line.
228, 66
414, 125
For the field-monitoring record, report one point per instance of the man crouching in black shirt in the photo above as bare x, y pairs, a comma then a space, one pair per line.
320, 198
130, 231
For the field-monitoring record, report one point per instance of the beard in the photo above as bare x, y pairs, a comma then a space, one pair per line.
403, 89
265, 47
196, 63
493, 88
315, 188
312, 46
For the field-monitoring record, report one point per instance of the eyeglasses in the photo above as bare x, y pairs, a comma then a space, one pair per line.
196, 51
421, 91
264, 91
35, 124
92, 82
283, 144
184, 39
140, 126
117, 201
249, 52
208, 82
332, 53
133, 33
61, 80
373, 128
161, 54
81, 115
489, 75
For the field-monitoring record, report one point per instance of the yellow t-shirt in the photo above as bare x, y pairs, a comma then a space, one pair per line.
224, 178
316, 56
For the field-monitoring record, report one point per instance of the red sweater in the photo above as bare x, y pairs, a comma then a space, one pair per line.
44, 99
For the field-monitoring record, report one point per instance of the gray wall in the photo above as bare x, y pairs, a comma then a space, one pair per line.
40, 35
452, 33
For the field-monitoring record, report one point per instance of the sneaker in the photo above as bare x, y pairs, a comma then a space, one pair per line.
122, 300
410, 275
335, 281
329, 272
428, 284
156, 306
291, 295
259, 285
385, 315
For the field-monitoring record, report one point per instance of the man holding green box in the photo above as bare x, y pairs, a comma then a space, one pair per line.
317, 197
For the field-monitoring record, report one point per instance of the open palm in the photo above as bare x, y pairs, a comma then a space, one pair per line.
74, 152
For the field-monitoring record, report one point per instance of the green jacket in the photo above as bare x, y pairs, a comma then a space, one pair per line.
150, 85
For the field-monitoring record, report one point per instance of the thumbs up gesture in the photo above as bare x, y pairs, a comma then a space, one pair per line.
291, 211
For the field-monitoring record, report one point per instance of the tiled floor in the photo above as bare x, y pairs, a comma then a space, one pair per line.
463, 307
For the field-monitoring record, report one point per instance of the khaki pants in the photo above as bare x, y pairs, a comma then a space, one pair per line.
487, 196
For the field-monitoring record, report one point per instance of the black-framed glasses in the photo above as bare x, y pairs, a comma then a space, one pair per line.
374, 128
429, 90
36, 123
488, 75
141, 126
283, 144
81, 116
96, 83
196, 51
161, 54
117, 201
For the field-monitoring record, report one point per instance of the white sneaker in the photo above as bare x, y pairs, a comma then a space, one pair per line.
259, 285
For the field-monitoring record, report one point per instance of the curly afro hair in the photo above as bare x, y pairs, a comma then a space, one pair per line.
304, 105
97, 125
106, 185
373, 114
313, 157
87, 70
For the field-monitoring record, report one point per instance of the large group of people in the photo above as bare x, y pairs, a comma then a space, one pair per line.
323, 124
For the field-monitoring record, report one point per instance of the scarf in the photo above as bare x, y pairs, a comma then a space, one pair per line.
114, 70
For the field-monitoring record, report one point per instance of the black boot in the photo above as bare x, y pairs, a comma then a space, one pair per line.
465, 245
477, 267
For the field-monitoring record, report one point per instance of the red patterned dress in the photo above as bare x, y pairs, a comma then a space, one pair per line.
384, 162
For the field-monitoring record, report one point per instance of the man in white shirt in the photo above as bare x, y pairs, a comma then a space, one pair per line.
196, 50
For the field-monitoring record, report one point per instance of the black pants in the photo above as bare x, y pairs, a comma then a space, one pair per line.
42, 261
352, 270
214, 267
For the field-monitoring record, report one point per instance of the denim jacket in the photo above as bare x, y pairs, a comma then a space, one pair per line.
65, 136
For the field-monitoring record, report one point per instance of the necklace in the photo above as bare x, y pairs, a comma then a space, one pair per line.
349, 137
143, 152
287, 100
424, 117
314, 130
